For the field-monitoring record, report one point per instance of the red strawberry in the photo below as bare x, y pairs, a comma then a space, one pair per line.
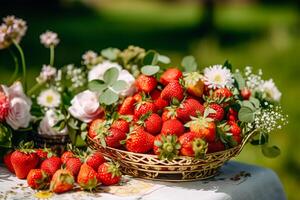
138, 97
145, 83
236, 131
222, 93
151, 122
170, 75
95, 159
160, 104
192, 145
215, 147
166, 146
66, 156
127, 106
38, 179
51, 165
62, 181
143, 108
109, 173
155, 94
219, 112
7, 162
232, 115
204, 127
246, 93
23, 160
97, 126
44, 153
87, 177
189, 107
114, 137
139, 141
167, 114
73, 165
172, 90
173, 127
121, 124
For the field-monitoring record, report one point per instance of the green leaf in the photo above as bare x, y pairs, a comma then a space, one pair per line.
261, 140
151, 58
97, 85
150, 70
240, 80
119, 85
83, 135
228, 65
110, 53
255, 102
246, 114
111, 76
5, 136
189, 63
108, 97
270, 151
248, 104
163, 59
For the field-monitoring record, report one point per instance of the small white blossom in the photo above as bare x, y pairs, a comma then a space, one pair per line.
47, 73
49, 39
218, 76
89, 58
270, 90
49, 98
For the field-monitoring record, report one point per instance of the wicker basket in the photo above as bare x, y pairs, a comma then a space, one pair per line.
182, 168
56, 143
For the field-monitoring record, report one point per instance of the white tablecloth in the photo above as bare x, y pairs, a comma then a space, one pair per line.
236, 181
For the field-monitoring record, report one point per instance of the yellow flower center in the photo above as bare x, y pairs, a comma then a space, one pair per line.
218, 78
49, 99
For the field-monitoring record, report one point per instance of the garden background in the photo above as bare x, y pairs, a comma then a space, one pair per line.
263, 34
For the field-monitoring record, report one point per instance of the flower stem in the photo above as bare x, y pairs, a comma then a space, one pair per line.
15, 74
34, 88
23, 64
52, 55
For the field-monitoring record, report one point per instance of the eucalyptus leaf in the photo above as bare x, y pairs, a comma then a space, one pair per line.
270, 151
255, 102
240, 80
246, 114
150, 70
108, 97
119, 85
151, 58
261, 140
248, 104
111, 75
164, 59
110, 53
228, 65
97, 85
189, 63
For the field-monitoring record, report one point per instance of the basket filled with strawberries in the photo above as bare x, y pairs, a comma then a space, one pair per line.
180, 123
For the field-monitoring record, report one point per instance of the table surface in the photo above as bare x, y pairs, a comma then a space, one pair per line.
235, 181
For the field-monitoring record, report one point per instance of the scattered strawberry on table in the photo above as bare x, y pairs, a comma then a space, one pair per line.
44, 170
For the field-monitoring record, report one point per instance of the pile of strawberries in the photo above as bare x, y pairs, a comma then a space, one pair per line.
46, 171
169, 117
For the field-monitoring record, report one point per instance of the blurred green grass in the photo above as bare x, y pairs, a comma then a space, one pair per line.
260, 36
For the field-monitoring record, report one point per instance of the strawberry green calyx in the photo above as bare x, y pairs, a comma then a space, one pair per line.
90, 185
113, 168
168, 147
26, 147
200, 148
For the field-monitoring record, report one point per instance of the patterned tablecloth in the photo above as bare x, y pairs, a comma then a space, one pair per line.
235, 181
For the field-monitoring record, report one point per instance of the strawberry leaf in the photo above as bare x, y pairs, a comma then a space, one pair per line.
150, 70
189, 64
111, 75
108, 97
119, 85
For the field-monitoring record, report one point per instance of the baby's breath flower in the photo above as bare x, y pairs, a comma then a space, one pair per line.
270, 119
90, 58
12, 30
76, 75
49, 39
47, 73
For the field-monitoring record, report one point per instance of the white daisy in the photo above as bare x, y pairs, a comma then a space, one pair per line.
270, 90
98, 71
218, 77
49, 98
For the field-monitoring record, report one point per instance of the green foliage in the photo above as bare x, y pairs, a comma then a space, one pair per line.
150, 70
110, 53
5, 136
189, 64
